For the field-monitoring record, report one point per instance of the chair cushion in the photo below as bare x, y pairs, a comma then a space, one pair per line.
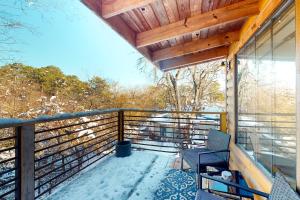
202, 195
281, 190
218, 140
191, 157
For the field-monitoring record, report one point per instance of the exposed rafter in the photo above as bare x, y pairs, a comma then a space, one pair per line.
195, 46
201, 57
216, 17
118, 24
112, 8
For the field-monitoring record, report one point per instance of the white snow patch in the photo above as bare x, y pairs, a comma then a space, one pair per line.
84, 119
92, 124
87, 132
53, 98
135, 177
7, 155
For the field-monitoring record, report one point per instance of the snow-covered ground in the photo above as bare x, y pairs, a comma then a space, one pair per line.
134, 178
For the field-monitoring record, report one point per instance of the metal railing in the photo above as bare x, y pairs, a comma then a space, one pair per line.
70, 146
8, 165
169, 132
274, 132
270, 139
38, 155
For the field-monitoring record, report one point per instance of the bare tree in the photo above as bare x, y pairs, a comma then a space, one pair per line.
190, 88
203, 80
171, 82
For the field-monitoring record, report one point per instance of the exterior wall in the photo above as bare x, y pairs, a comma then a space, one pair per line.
230, 99
238, 159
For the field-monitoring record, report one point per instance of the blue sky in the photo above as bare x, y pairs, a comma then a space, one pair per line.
73, 38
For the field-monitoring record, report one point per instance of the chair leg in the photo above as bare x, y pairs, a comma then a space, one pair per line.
197, 181
200, 182
181, 164
197, 177
200, 169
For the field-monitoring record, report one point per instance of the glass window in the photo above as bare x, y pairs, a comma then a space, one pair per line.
266, 79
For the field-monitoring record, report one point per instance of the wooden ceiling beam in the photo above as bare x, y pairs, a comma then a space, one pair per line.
192, 59
198, 22
112, 8
117, 24
222, 39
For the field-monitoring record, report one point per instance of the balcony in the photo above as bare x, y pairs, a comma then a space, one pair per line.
71, 156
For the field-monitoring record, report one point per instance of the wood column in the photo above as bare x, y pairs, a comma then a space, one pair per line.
223, 122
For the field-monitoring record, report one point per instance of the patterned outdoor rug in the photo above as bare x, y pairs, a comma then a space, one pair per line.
178, 185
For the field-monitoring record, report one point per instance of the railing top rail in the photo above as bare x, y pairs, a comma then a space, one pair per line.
13, 122
167, 111
270, 114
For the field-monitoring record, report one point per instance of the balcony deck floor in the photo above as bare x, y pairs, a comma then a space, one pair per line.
143, 175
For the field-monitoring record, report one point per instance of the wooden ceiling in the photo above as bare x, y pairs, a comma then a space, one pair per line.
177, 33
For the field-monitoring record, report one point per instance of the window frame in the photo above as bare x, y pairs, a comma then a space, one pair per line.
269, 22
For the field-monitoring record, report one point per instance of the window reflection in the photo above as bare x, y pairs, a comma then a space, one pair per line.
266, 96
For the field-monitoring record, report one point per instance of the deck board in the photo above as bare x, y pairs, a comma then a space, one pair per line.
135, 177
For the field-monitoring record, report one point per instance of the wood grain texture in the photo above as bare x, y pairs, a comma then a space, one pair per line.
253, 175
206, 6
122, 28
153, 15
95, 6
216, 17
112, 8
116, 23
191, 59
119, 25
195, 7
195, 46
267, 7
149, 15
173, 15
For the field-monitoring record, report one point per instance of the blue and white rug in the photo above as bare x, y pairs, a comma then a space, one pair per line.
177, 185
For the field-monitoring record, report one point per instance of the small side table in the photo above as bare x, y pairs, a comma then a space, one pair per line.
225, 190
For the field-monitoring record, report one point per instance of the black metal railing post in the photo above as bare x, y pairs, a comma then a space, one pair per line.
120, 126
25, 162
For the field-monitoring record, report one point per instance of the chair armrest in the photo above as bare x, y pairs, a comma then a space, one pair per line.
228, 183
211, 152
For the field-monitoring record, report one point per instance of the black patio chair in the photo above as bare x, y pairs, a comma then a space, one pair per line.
281, 190
215, 153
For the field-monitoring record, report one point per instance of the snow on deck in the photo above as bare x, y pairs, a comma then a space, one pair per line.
134, 178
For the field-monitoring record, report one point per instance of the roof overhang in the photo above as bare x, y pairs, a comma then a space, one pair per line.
172, 36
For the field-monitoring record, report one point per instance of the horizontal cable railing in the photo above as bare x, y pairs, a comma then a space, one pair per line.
166, 131
8, 175
40, 154
65, 147
273, 133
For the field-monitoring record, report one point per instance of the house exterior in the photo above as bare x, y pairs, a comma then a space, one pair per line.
260, 40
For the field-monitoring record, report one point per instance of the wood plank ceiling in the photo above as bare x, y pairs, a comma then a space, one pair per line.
177, 33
